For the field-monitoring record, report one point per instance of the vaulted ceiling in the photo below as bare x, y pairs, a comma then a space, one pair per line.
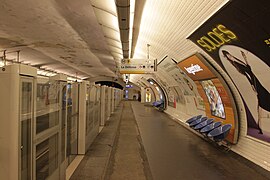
166, 24
82, 38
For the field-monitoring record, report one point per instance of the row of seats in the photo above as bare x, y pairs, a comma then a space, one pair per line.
159, 105
213, 130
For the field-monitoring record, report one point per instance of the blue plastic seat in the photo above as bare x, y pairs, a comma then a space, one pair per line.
198, 121
210, 127
220, 133
193, 119
157, 103
203, 124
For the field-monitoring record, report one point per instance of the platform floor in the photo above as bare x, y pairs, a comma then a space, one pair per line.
150, 145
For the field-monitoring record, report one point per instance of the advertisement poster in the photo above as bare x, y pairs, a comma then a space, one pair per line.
175, 95
180, 96
218, 104
161, 81
171, 97
179, 78
238, 39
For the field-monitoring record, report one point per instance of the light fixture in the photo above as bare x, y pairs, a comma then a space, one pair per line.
72, 79
131, 21
47, 73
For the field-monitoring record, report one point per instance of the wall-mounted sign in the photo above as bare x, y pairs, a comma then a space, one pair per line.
193, 69
129, 86
138, 66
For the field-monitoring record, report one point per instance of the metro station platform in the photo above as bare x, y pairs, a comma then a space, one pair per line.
139, 142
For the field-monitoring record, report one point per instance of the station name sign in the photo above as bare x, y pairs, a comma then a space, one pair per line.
138, 66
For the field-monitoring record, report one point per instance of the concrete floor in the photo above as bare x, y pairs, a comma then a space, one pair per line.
174, 152
148, 144
95, 162
128, 160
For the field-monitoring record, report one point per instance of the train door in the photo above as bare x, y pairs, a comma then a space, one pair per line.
96, 101
72, 121
89, 119
16, 121
112, 99
46, 148
106, 103
26, 121
98, 106
102, 106
63, 129
92, 123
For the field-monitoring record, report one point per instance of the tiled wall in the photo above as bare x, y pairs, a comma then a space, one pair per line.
252, 149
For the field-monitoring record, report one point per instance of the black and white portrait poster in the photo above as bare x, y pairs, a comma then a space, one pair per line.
237, 37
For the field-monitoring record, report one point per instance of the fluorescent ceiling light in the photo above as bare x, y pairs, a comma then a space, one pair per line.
131, 20
73, 79
45, 73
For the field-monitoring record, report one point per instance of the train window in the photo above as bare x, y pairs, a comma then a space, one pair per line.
47, 157
89, 112
72, 121
47, 109
47, 121
26, 119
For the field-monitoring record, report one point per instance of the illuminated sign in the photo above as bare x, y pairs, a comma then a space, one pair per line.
129, 86
193, 69
138, 66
